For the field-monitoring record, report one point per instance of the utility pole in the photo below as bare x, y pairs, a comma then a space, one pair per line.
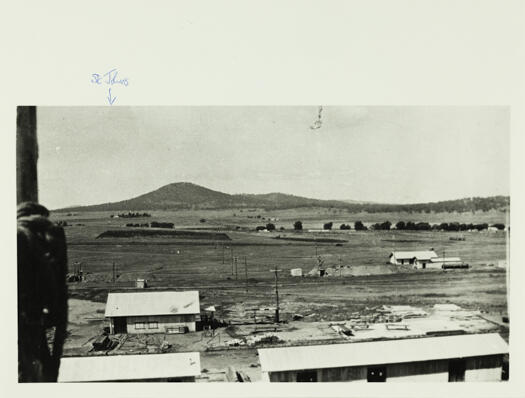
113, 272
246, 273
276, 295
340, 266
236, 274
231, 257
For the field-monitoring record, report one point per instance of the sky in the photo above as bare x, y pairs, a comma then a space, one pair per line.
91, 155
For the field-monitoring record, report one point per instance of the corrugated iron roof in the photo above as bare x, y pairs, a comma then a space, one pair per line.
380, 352
129, 367
152, 303
420, 255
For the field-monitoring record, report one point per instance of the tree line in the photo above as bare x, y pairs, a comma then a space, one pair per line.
409, 226
130, 214
153, 224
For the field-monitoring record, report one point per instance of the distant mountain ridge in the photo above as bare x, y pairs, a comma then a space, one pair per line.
186, 195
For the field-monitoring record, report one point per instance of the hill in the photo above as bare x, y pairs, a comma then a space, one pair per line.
185, 195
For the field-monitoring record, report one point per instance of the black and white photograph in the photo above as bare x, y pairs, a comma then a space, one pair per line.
271, 199
263, 244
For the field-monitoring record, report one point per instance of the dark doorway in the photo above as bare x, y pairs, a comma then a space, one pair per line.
456, 370
376, 374
505, 369
307, 376
120, 325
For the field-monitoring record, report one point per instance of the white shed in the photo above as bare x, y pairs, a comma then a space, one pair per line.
417, 258
153, 312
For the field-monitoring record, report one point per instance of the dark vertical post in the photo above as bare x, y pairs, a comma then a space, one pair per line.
26, 155
276, 295
246, 273
231, 255
41, 266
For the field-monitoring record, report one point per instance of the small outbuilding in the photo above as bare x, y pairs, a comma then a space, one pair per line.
141, 283
474, 357
184, 366
153, 312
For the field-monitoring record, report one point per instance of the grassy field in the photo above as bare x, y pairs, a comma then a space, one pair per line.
235, 277
229, 272
189, 259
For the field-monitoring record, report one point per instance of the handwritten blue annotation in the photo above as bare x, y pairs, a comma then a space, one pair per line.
109, 79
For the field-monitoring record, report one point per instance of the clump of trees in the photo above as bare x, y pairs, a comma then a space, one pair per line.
359, 226
445, 226
298, 226
260, 228
385, 226
345, 226
137, 225
129, 214
270, 227
328, 225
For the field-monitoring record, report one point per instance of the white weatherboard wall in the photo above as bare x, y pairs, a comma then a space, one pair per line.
427, 371
164, 322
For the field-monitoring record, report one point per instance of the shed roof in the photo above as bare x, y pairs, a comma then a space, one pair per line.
420, 255
152, 303
380, 352
445, 260
129, 367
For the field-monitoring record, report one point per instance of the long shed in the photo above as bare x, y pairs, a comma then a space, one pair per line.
475, 357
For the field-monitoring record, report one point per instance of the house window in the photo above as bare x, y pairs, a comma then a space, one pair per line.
153, 325
376, 374
307, 376
140, 325
456, 370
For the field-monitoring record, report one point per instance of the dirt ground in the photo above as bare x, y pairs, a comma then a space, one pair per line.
235, 277
317, 305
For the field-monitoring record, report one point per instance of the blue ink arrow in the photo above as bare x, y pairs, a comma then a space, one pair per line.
111, 99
